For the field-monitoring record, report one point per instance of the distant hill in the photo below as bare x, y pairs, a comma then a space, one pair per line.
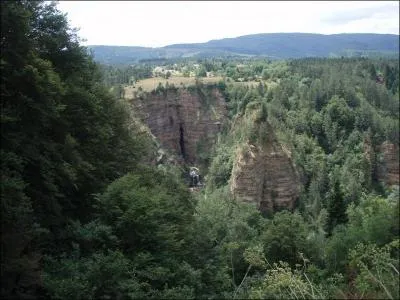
271, 45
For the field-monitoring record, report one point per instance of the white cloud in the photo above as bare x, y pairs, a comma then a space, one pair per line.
159, 23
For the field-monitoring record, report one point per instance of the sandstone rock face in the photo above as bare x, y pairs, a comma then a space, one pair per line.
264, 175
388, 170
185, 122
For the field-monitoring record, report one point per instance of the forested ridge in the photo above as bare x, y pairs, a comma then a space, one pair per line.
271, 45
86, 214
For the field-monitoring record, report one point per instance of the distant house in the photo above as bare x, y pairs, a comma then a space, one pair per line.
240, 67
160, 72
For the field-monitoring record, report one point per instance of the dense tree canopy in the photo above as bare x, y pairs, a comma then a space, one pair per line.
86, 215
63, 136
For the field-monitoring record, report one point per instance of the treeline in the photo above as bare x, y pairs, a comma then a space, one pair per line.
64, 138
333, 115
86, 216
113, 75
328, 112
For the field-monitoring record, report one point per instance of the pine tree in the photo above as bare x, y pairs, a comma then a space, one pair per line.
336, 204
63, 138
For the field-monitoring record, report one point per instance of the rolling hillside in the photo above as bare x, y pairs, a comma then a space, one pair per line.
271, 45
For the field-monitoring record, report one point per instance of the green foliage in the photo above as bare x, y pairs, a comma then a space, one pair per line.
327, 128
372, 221
336, 204
285, 237
201, 72
63, 137
224, 230
137, 214
280, 282
221, 167
144, 215
377, 270
86, 216
100, 276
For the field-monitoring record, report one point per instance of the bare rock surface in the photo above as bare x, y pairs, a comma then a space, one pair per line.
185, 122
388, 170
264, 175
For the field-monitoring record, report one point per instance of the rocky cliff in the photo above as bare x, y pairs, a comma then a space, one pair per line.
264, 174
185, 120
388, 169
384, 160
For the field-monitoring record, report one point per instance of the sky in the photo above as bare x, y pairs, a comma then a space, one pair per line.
161, 23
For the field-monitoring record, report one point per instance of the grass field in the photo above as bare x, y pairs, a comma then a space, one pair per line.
150, 84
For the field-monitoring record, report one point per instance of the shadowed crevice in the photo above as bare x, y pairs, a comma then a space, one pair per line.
182, 141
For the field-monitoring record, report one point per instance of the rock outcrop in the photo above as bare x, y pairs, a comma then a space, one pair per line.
264, 175
185, 121
388, 169
384, 160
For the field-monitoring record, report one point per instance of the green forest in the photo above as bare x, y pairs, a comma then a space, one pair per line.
86, 214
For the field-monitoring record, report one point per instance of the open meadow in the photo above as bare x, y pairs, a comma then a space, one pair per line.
150, 84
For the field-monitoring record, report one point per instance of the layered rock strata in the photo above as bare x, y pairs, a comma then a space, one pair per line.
185, 122
264, 175
388, 170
